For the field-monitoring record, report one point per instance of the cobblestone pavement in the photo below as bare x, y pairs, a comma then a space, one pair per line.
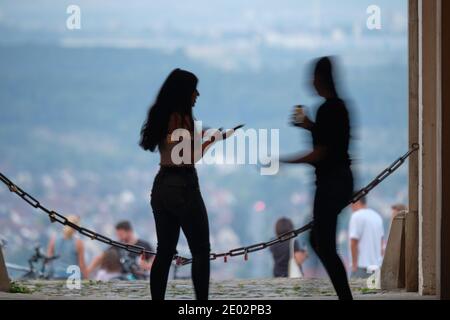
182, 289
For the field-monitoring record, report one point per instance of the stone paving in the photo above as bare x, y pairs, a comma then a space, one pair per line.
279, 289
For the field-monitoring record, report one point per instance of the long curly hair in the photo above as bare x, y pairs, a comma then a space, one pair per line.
175, 95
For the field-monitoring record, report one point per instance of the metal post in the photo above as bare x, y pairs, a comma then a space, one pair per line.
5, 284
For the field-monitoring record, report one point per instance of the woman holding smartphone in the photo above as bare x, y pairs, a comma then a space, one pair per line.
176, 199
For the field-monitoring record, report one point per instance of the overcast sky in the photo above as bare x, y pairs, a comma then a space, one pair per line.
224, 33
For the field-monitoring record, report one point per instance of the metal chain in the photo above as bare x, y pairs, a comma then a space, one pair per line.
294, 233
385, 173
245, 251
59, 218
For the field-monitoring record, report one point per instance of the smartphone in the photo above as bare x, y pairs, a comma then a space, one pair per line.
234, 129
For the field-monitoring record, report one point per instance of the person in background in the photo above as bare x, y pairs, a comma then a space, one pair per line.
284, 252
331, 135
397, 208
68, 249
110, 268
131, 262
366, 239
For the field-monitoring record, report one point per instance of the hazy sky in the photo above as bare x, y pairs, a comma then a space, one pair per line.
226, 34
200, 16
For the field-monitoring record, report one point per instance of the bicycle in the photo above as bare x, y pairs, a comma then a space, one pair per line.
34, 271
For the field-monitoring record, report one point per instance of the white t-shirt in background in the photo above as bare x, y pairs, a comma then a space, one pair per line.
366, 226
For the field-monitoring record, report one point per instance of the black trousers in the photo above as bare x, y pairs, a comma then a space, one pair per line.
334, 192
177, 204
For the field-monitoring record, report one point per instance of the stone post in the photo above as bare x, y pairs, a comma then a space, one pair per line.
5, 284
393, 268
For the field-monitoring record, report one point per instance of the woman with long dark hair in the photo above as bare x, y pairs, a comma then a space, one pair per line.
290, 256
176, 199
334, 179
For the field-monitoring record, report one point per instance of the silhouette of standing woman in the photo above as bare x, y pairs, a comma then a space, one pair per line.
176, 199
334, 179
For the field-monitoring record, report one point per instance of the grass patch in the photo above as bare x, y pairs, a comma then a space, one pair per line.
297, 288
17, 288
219, 287
368, 291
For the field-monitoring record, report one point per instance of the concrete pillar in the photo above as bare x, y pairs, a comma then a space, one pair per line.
429, 138
412, 219
445, 216
4, 279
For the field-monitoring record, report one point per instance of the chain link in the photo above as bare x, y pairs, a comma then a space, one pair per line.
59, 218
56, 217
294, 233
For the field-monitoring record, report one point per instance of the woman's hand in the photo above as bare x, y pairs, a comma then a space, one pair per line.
213, 137
310, 158
220, 134
145, 264
306, 124
229, 133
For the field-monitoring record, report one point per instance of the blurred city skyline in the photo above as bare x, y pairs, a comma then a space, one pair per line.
73, 101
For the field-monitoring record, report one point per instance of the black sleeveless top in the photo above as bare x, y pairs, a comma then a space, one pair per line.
332, 131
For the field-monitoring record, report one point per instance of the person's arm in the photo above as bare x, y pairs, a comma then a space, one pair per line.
300, 254
95, 263
307, 123
81, 261
355, 233
146, 260
217, 136
327, 126
51, 247
176, 122
310, 158
145, 264
300, 257
207, 131
200, 152
354, 249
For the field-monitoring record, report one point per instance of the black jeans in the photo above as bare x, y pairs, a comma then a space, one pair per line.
334, 192
177, 204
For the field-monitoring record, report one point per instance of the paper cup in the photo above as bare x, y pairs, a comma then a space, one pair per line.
299, 114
